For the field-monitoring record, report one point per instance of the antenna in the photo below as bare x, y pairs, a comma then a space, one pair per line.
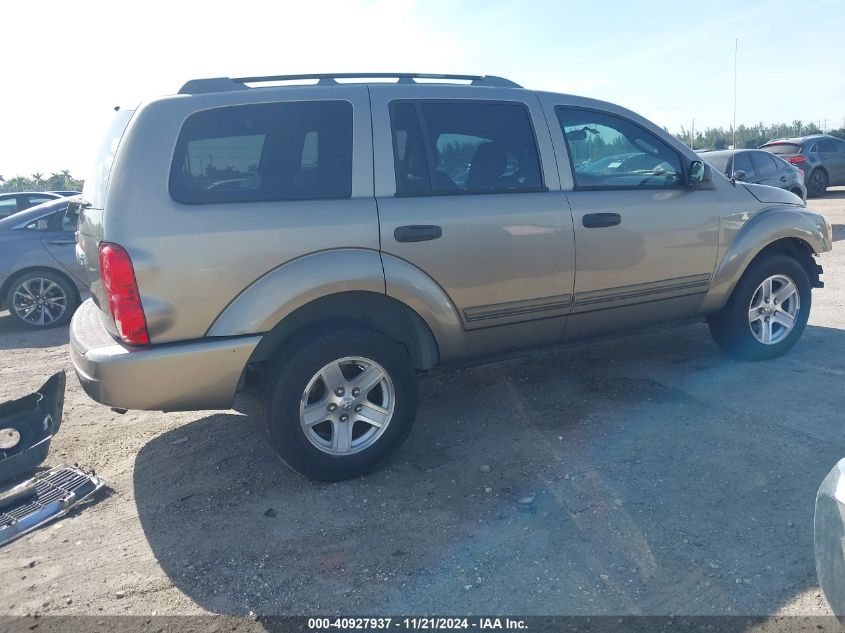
736, 50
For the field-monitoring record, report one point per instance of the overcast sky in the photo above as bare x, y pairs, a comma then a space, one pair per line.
68, 63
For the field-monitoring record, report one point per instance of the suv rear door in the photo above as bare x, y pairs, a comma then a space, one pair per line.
646, 242
467, 192
832, 152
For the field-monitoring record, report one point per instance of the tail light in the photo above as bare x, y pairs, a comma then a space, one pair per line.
795, 160
121, 290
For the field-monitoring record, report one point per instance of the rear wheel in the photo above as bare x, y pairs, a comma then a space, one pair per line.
767, 311
817, 183
41, 299
341, 402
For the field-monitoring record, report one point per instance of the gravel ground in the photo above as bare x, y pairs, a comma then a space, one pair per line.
644, 475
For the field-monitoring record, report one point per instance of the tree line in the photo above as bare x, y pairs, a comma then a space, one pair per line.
749, 136
56, 181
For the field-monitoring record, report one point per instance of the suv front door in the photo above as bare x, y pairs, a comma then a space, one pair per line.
646, 242
467, 192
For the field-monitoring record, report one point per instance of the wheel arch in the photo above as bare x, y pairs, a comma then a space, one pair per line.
11, 279
794, 232
373, 310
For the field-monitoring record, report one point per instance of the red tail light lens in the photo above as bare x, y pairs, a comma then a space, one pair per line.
798, 159
121, 289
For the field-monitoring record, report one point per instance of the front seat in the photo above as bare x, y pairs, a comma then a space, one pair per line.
487, 167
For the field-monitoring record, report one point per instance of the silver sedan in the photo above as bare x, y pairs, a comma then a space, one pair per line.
40, 280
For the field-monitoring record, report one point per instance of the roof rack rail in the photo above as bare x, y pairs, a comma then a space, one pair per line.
226, 84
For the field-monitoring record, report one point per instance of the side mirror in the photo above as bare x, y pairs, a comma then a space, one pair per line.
699, 172
739, 174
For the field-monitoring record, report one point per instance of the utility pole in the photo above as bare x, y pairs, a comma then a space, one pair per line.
736, 51
692, 135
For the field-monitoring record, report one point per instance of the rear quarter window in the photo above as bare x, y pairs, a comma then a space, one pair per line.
264, 152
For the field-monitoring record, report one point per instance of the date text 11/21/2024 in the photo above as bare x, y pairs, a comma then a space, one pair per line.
416, 623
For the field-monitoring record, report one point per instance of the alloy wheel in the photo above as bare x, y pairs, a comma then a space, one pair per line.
39, 301
773, 310
347, 406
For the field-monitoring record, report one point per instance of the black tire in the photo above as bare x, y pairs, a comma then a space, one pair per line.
817, 183
294, 368
730, 327
67, 289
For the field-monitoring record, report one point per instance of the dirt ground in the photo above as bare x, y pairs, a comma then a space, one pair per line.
665, 477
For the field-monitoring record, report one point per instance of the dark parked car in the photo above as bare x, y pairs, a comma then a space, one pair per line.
820, 157
13, 202
762, 168
40, 278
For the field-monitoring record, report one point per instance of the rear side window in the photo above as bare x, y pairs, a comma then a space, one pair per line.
264, 152
463, 147
764, 165
608, 151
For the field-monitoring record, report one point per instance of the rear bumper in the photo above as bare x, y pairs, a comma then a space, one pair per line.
187, 376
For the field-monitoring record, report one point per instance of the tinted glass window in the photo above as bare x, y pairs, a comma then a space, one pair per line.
609, 151
468, 147
262, 152
826, 145
8, 206
718, 160
764, 165
839, 146
782, 148
742, 162
33, 200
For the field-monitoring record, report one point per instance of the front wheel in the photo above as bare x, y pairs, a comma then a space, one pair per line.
342, 400
767, 311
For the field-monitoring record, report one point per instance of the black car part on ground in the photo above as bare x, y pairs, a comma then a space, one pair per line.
27, 425
44, 498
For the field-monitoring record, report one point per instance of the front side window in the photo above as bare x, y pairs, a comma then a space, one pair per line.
764, 165
458, 147
826, 145
607, 151
742, 162
265, 152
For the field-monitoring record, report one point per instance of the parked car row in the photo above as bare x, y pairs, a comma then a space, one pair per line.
759, 167
41, 281
806, 166
11, 203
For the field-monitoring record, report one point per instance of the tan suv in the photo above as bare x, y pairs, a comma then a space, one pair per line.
346, 234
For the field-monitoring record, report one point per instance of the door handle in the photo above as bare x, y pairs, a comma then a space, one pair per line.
417, 233
783, 178
61, 242
598, 220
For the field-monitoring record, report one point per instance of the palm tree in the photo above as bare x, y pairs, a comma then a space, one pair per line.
38, 180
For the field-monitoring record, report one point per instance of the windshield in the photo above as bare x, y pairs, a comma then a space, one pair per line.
94, 191
782, 148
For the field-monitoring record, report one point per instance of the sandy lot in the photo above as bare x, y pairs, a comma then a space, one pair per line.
668, 479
